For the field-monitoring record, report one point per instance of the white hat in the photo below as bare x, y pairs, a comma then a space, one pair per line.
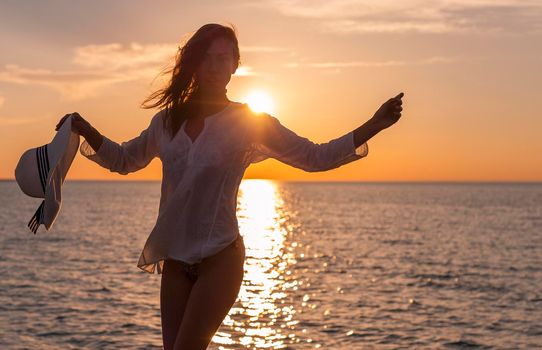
41, 172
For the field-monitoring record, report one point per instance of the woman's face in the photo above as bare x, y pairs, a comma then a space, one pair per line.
214, 72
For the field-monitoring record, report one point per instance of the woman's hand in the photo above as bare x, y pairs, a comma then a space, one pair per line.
79, 124
389, 113
83, 128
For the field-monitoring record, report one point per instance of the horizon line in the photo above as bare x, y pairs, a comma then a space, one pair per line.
326, 181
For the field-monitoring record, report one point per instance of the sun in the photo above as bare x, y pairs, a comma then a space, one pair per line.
260, 101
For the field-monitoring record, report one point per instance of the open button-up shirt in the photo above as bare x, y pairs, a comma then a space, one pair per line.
198, 203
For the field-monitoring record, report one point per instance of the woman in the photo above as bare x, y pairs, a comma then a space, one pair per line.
205, 143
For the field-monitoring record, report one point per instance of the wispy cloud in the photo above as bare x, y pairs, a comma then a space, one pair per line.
389, 16
389, 63
2, 100
116, 57
98, 66
74, 84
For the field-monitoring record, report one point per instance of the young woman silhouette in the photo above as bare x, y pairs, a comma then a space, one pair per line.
205, 143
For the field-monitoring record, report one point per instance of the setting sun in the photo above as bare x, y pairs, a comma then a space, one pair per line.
260, 101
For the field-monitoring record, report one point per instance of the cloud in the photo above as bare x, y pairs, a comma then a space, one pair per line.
116, 57
71, 84
389, 63
95, 66
98, 66
390, 16
2, 100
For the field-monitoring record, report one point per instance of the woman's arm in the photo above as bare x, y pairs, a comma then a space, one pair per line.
83, 128
387, 115
124, 158
365, 132
92, 136
272, 139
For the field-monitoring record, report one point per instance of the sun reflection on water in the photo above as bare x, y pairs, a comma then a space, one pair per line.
259, 313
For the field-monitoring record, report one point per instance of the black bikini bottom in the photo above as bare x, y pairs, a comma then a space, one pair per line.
191, 270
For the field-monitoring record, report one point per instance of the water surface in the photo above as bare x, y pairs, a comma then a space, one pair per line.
329, 265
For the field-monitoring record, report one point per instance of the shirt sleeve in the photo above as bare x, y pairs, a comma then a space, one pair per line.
272, 139
129, 156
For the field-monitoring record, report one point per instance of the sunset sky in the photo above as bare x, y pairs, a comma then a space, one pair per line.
470, 70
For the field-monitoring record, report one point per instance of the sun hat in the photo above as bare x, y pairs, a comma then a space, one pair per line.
41, 171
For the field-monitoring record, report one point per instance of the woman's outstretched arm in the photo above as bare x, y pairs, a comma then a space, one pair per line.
121, 158
92, 136
272, 139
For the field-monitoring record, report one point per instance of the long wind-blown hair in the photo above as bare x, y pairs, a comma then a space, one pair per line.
175, 97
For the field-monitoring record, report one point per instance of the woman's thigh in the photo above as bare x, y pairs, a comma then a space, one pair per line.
213, 294
174, 292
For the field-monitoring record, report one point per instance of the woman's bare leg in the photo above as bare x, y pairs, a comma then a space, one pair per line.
174, 292
212, 296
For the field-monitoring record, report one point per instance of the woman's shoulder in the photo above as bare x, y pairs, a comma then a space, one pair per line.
239, 106
159, 120
243, 111
160, 116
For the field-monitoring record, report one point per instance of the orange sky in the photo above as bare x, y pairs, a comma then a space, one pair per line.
470, 71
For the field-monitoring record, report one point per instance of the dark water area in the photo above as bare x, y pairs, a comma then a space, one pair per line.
328, 265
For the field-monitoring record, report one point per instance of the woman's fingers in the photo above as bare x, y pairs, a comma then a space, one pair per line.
397, 102
75, 115
397, 105
397, 99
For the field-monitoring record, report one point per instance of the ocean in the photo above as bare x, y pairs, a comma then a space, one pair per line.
329, 265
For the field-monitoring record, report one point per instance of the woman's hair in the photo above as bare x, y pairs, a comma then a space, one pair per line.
174, 97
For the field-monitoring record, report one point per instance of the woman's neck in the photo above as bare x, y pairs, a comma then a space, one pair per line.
208, 102
211, 97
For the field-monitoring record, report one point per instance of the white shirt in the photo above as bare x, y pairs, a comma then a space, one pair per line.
198, 202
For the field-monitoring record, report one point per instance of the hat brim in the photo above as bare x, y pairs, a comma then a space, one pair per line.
56, 157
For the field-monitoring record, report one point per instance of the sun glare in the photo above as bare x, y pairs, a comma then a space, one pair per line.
260, 101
